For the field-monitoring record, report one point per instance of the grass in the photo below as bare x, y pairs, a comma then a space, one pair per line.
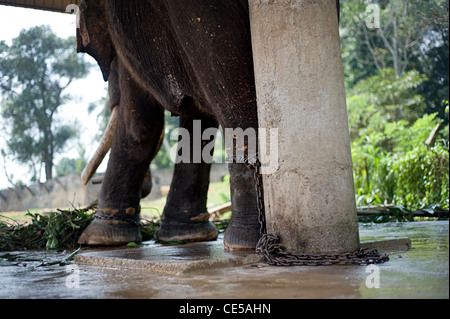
218, 194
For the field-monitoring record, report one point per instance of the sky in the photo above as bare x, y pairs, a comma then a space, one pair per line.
88, 90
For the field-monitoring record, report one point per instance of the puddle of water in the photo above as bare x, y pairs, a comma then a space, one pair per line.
422, 272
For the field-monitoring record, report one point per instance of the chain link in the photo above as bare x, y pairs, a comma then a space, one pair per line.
276, 254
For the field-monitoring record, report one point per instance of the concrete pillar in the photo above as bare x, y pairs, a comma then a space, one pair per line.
310, 199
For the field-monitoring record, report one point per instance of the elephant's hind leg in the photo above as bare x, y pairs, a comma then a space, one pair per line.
243, 232
185, 217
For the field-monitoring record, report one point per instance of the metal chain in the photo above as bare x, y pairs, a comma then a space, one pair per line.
276, 254
131, 221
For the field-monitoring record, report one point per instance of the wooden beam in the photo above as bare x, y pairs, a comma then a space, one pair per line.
222, 209
432, 138
47, 5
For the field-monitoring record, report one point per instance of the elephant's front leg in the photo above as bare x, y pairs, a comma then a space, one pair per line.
136, 141
185, 216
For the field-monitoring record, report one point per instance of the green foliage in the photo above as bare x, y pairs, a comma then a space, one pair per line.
64, 227
419, 178
52, 231
358, 62
162, 159
388, 128
406, 137
67, 166
395, 98
60, 229
413, 35
410, 174
149, 228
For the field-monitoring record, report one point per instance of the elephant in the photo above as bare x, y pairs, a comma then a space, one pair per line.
193, 58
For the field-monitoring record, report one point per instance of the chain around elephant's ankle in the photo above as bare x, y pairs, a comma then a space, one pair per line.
128, 215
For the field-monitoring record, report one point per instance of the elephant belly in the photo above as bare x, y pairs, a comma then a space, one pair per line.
185, 51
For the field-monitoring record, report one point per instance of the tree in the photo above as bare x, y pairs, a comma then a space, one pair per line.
411, 35
396, 98
3, 48
407, 29
436, 89
67, 166
35, 72
358, 62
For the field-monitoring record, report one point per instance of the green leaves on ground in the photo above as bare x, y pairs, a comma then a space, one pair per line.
51, 231
56, 230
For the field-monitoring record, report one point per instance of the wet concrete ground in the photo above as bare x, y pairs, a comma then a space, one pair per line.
204, 270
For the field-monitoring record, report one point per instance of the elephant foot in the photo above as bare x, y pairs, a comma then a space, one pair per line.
243, 232
186, 229
106, 232
179, 232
